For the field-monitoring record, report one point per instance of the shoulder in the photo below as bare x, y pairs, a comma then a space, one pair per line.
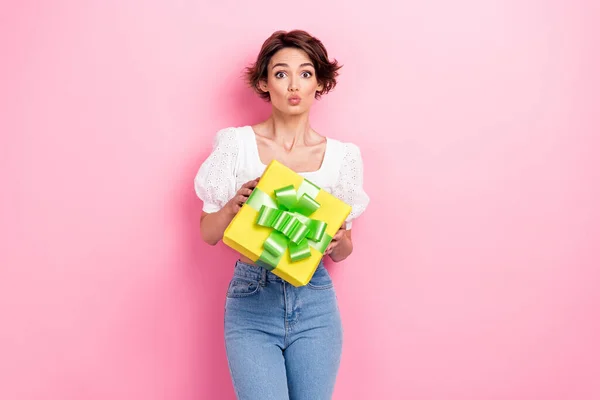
346, 151
232, 136
224, 135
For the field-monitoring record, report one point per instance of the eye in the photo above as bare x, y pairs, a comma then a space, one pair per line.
279, 74
306, 74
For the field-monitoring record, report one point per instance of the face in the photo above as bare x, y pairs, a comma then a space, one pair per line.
291, 81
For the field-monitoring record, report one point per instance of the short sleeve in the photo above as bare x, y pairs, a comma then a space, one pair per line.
349, 186
215, 180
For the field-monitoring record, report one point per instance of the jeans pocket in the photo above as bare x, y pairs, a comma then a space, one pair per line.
320, 280
242, 288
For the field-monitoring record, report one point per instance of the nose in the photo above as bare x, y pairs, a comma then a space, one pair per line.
293, 87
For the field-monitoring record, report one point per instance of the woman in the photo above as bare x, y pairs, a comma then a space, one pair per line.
282, 342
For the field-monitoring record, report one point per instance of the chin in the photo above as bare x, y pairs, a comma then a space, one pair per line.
296, 110
292, 110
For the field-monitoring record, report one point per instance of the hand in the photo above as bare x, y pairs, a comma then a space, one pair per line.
340, 234
235, 204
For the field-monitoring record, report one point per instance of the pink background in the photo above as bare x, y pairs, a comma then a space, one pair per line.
475, 273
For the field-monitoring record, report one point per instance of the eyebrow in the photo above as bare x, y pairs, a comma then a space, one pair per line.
287, 66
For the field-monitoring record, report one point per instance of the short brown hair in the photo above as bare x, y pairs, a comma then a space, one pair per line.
326, 71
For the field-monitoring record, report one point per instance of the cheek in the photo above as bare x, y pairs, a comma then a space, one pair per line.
311, 87
277, 89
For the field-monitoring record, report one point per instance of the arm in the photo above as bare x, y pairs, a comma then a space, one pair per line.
213, 225
349, 188
341, 245
343, 249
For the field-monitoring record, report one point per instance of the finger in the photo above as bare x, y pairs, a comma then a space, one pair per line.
330, 247
245, 191
251, 184
235, 207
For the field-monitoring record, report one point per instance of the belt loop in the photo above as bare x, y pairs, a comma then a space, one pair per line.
263, 278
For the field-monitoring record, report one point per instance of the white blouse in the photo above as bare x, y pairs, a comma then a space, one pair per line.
234, 160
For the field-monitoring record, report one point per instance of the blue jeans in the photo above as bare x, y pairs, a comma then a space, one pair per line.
282, 342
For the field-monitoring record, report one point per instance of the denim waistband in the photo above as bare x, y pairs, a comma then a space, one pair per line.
257, 273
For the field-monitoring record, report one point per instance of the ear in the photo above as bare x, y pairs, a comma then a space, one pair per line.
262, 86
320, 87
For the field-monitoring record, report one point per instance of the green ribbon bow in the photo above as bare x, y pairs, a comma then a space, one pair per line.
288, 216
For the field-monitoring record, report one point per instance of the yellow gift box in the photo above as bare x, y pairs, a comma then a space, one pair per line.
286, 224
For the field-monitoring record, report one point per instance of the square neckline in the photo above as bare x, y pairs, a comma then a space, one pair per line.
262, 164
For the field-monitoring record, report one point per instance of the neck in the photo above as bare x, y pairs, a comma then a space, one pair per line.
289, 130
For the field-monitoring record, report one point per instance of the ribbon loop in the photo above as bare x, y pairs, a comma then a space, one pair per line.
286, 197
292, 227
306, 205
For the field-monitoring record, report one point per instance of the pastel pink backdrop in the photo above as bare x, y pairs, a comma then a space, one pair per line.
475, 269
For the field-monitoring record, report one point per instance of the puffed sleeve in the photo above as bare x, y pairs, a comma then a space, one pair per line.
215, 180
349, 186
